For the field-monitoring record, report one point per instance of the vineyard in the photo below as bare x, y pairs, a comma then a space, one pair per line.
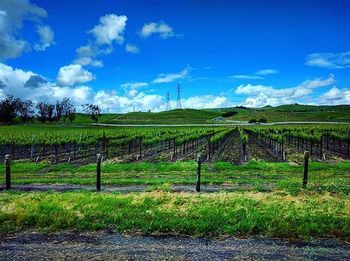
232, 144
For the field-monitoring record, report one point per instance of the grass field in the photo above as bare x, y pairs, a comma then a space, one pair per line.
219, 214
268, 200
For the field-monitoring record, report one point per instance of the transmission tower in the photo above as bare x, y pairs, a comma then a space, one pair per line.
178, 91
167, 101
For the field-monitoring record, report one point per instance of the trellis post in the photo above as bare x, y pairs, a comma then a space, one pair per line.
306, 168
8, 171
198, 184
98, 173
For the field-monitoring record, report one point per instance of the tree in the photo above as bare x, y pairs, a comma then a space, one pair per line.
42, 114
25, 110
8, 109
71, 114
59, 110
93, 110
50, 112
68, 110
262, 120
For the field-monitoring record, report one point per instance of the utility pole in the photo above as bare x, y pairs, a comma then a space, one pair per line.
167, 101
178, 91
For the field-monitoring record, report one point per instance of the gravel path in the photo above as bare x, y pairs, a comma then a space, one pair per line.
105, 246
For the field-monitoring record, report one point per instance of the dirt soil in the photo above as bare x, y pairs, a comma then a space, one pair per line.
112, 246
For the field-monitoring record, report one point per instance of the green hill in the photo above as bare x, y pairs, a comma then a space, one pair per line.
178, 116
293, 112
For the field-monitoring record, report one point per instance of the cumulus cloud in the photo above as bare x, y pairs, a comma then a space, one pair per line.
110, 30
46, 37
261, 95
329, 60
30, 86
72, 74
132, 48
160, 28
335, 96
170, 77
13, 14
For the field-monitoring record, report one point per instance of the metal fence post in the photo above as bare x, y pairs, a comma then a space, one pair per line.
8, 171
98, 173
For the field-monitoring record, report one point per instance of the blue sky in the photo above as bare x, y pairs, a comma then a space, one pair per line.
126, 54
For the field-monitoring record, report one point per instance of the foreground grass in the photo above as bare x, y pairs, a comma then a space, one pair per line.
240, 214
254, 176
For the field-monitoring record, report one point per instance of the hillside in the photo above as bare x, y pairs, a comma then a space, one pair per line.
294, 112
178, 116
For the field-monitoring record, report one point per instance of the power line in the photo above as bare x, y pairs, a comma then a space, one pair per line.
178, 99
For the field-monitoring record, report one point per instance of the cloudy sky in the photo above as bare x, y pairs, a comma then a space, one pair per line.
127, 54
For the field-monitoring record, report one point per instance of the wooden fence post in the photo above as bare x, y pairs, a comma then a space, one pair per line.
8, 171
198, 184
306, 168
98, 173
140, 152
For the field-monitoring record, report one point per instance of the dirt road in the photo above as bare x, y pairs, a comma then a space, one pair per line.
105, 246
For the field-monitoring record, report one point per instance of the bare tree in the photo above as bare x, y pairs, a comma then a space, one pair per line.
25, 110
42, 114
59, 110
93, 110
50, 112
68, 110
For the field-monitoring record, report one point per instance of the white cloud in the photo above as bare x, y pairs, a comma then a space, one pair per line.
329, 60
13, 15
72, 74
134, 84
131, 48
335, 96
266, 72
160, 28
170, 77
15, 84
260, 95
46, 37
245, 77
256, 76
110, 29
205, 101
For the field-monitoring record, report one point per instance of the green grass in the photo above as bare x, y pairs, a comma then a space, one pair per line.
178, 116
239, 214
254, 176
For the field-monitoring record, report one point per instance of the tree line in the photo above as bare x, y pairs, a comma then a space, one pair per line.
27, 111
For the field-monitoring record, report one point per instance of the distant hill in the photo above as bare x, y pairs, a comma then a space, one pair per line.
177, 116
293, 112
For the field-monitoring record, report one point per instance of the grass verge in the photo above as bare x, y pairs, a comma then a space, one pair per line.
234, 214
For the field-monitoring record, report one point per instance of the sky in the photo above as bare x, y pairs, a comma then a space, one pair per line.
125, 55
